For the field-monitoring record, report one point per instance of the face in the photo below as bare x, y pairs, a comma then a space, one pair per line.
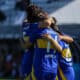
48, 21
45, 23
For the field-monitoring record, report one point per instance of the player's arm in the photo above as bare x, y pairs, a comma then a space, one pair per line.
54, 42
66, 38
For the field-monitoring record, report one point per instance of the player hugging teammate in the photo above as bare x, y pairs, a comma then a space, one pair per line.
47, 53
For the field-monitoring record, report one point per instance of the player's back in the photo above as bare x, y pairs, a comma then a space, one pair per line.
45, 59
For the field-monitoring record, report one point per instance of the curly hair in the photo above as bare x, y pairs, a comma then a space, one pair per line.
35, 13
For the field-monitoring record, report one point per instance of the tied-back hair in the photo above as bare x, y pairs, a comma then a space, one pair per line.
55, 27
35, 13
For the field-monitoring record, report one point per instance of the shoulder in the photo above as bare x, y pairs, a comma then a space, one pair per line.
50, 31
34, 25
25, 23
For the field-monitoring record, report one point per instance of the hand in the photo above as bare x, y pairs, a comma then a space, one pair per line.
47, 36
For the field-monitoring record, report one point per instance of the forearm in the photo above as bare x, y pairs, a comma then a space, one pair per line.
66, 38
56, 45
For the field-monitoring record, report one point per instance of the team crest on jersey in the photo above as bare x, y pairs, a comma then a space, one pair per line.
66, 54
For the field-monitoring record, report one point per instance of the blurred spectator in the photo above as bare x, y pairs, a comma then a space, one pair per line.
9, 58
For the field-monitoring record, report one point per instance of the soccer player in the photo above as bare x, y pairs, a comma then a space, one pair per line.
53, 59
26, 64
29, 28
47, 71
45, 58
65, 68
66, 71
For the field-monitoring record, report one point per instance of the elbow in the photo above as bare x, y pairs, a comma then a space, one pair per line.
71, 40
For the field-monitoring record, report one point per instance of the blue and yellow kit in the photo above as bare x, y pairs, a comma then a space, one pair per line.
65, 68
45, 59
26, 65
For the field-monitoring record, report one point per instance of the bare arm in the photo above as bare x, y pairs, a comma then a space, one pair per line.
54, 42
66, 38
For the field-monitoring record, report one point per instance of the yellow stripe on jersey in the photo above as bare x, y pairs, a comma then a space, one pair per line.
56, 77
32, 74
42, 43
61, 74
66, 53
28, 77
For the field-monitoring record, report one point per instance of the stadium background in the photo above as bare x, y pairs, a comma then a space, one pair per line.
11, 18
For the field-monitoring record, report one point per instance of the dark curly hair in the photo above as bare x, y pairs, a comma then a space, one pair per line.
35, 13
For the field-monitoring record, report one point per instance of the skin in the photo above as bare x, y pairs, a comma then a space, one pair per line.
66, 38
42, 24
54, 42
46, 23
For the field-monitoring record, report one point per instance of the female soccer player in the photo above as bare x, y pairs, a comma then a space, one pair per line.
47, 71
65, 68
34, 15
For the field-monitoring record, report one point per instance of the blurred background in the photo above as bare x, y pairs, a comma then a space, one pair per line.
12, 14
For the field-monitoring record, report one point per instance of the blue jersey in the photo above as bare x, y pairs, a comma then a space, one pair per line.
26, 65
29, 30
65, 69
65, 56
45, 59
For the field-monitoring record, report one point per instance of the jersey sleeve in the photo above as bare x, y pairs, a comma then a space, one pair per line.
29, 31
33, 31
